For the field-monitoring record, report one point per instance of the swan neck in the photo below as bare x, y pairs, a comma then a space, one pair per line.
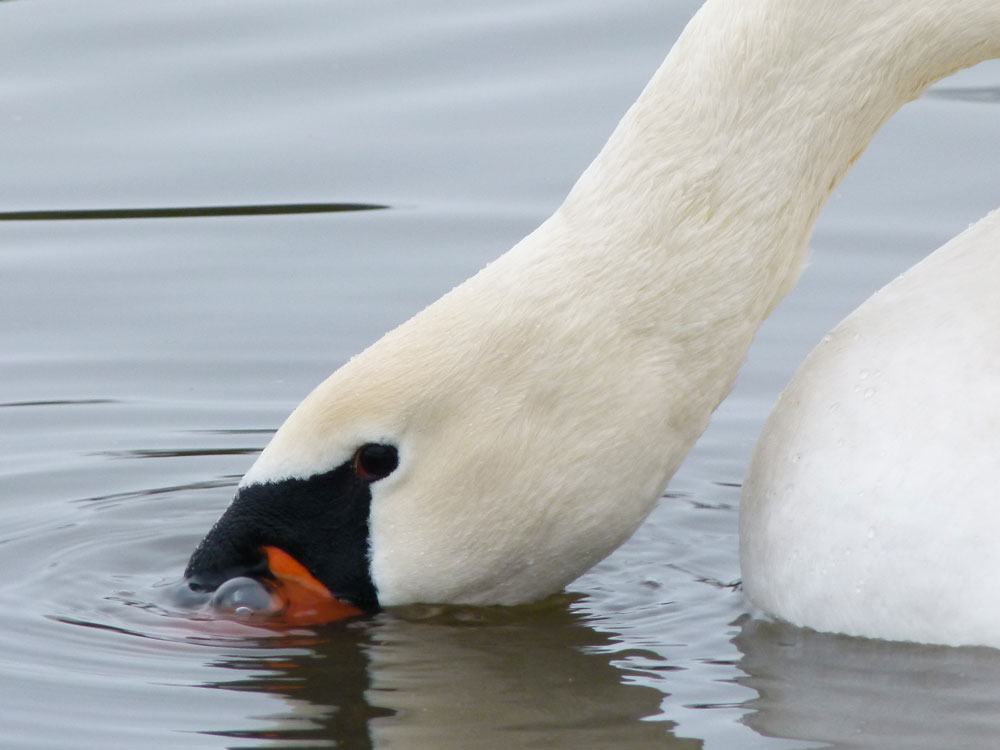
758, 113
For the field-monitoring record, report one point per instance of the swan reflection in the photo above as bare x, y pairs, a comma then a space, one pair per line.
535, 676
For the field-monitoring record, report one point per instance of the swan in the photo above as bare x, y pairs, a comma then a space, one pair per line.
869, 506
505, 439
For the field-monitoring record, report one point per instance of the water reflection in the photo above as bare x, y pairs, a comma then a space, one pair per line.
458, 678
324, 682
860, 693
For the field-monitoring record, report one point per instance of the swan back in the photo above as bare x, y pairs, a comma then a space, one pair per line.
870, 504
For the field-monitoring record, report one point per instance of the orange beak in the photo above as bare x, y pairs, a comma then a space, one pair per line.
302, 599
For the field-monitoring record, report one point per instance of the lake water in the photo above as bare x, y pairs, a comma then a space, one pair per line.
146, 356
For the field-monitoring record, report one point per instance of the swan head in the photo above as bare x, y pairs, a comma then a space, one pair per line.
481, 453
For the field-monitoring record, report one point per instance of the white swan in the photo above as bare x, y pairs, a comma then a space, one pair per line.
871, 503
508, 437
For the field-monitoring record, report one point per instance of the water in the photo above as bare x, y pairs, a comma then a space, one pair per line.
144, 361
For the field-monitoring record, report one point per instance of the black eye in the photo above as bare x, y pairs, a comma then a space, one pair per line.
374, 461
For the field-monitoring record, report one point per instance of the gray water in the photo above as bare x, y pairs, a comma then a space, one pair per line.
146, 356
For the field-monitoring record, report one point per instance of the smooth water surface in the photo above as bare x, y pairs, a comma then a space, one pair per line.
183, 255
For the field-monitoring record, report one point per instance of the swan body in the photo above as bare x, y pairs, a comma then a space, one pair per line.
536, 412
870, 505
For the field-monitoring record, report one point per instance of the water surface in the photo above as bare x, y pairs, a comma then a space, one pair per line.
181, 260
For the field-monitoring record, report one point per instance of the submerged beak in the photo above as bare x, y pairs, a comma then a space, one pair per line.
275, 586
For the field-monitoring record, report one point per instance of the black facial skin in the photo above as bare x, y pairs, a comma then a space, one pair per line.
321, 521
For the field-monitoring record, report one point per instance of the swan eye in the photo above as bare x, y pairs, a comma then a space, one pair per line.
374, 461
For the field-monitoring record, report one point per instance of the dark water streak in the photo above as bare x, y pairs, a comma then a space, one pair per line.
978, 94
186, 212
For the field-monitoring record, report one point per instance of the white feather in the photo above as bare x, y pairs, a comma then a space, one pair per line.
870, 506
